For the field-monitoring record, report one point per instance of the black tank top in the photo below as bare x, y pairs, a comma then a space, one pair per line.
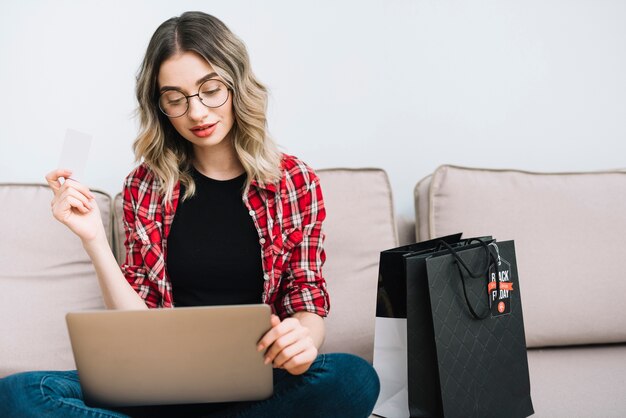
213, 249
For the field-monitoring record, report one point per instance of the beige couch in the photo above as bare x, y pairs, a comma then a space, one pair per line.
568, 231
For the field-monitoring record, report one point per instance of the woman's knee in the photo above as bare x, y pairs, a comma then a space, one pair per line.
17, 391
352, 383
28, 391
19, 383
365, 377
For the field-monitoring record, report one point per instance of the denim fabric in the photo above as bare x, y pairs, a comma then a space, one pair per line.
336, 385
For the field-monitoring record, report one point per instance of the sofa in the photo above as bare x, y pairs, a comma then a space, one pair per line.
567, 230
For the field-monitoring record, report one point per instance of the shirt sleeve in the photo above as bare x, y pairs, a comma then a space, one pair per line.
137, 238
304, 288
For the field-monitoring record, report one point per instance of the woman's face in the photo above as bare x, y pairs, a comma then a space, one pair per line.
201, 125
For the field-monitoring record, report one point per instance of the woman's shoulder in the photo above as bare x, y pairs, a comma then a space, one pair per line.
297, 172
143, 184
142, 175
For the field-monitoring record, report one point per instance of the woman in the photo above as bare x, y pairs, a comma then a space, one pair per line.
212, 193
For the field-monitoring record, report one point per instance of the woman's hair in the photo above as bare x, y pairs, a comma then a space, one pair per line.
164, 150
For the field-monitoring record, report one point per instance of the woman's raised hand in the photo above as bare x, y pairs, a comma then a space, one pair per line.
74, 205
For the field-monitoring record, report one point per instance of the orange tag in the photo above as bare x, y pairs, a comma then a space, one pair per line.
503, 286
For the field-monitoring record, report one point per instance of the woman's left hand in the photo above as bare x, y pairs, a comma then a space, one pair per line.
288, 345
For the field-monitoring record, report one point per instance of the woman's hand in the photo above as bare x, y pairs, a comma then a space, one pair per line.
74, 205
289, 345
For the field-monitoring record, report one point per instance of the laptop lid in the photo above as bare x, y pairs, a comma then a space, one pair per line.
171, 356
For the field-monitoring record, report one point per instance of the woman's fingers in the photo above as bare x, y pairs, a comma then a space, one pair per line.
301, 362
283, 342
69, 201
68, 188
279, 345
63, 208
294, 351
289, 345
74, 205
71, 192
73, 184
52, 178
278, 329
53, 181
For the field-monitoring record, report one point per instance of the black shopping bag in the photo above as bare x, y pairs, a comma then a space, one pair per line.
391, 298
466, 341
390, 345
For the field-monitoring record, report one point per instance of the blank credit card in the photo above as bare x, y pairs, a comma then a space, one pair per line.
75, 152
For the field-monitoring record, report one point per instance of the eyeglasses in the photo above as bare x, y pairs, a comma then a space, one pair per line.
212, 93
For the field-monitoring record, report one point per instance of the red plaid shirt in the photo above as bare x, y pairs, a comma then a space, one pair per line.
288, 217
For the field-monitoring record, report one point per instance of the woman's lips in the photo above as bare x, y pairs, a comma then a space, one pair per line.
203, 131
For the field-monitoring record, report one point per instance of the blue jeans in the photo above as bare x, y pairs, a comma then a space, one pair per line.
336, 385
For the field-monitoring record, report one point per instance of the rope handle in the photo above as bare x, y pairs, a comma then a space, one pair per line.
475, 275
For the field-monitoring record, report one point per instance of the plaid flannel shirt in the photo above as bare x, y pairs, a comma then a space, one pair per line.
288, 217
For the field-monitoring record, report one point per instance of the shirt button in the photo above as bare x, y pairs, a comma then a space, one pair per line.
266, 276
262, 240
252, 212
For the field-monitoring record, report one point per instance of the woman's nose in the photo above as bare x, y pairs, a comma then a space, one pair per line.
197, 111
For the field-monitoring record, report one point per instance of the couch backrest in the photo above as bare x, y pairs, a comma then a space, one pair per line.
359, 224
569, 239
44, 273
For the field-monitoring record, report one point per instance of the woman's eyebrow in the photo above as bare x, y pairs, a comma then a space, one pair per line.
205, 78
202, 80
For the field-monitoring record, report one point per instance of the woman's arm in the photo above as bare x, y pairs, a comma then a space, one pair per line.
75, 206
116, 291
302, 284
293, 344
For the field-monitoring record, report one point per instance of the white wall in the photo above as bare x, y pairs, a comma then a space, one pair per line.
402, 85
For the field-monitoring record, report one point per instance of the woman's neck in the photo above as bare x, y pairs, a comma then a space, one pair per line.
219, 162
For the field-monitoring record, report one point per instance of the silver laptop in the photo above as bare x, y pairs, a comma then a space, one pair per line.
171, 356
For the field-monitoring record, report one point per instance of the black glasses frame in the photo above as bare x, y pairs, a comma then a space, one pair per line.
228, 90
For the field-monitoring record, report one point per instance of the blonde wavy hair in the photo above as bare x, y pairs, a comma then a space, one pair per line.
160, 146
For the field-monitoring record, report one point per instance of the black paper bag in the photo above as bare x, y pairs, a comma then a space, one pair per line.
466, 341
390, 345
392, 278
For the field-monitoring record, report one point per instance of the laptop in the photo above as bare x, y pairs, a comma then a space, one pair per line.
171, 356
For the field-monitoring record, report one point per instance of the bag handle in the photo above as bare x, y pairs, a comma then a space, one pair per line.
481, 273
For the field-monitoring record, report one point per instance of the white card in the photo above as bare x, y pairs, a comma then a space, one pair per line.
75, 152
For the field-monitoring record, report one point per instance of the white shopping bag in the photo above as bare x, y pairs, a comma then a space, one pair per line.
390, 362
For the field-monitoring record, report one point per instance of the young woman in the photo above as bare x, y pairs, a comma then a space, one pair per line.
214, 214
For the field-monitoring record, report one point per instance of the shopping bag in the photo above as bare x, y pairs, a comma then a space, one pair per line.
438, 311
466, 341
390, 342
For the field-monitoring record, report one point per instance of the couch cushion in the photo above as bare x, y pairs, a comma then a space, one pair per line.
359, 224
578, 381
44, 273
569, 238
